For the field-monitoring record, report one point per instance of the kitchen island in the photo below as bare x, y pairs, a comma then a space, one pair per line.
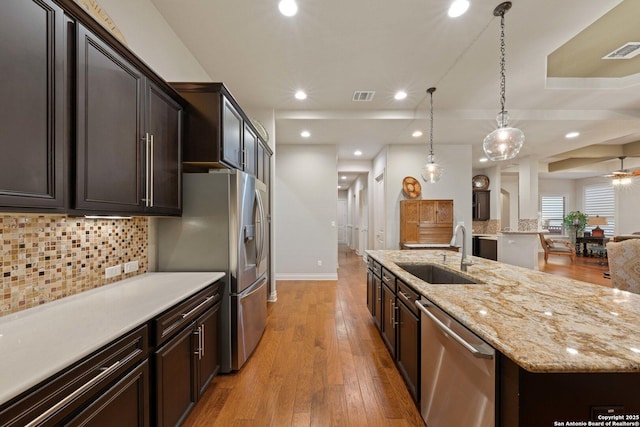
570, 347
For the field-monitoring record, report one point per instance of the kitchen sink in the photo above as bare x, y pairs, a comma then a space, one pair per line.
436, 275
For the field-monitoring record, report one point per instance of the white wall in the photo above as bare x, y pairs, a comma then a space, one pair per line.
628, 209
408, 160
306, 192
152, 39
560, 187
509, 183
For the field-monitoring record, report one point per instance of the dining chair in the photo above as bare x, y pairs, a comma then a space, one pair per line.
556, 247
624, 264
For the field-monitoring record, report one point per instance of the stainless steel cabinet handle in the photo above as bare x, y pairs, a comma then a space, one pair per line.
405, 296
151, 173
202, 345
197, 307
146, 166
46, 414
198, 351
422, 305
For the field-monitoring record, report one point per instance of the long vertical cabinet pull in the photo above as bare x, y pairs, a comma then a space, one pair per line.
146, 164
202, 346
151, 174
198, 352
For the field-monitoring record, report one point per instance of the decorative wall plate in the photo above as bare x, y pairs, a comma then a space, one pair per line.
480, 182
411, 187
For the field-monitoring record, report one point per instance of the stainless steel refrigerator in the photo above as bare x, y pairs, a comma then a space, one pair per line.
224, 228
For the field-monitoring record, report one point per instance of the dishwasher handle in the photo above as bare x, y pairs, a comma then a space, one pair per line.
475, 351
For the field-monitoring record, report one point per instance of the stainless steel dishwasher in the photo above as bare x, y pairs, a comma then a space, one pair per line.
458, 372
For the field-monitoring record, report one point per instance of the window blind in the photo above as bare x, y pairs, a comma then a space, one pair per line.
552, 211
600, 200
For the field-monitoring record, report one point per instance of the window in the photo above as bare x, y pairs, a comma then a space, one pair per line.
552, 213
600, 200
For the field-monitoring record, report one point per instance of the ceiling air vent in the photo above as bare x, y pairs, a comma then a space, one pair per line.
627, 51
363, 95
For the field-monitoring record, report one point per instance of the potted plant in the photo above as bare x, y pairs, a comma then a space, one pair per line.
575, 222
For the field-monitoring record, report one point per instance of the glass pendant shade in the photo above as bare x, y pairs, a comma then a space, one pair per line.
505, 142
432, 171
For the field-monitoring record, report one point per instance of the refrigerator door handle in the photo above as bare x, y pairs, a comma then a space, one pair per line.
261, 221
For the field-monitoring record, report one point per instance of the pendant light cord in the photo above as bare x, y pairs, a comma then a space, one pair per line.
431, 124
502, 66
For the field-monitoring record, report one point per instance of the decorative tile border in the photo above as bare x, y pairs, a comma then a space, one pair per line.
48, 257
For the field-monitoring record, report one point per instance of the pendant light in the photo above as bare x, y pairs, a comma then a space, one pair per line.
505, 142
432, 171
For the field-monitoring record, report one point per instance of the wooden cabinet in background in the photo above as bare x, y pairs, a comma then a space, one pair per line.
481, 205
32, 112
426, 221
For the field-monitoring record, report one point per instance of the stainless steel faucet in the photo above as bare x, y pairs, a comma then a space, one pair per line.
464, 262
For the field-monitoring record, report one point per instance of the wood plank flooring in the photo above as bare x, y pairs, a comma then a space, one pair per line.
321, 361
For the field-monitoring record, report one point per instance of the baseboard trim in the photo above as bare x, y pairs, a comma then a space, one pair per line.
306, 276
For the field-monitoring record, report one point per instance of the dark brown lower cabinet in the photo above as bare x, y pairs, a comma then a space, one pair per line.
125, 404
392, 304
388, 324
185, 366
408, 347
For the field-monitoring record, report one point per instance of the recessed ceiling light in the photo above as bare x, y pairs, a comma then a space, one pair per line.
483, 159
417, 134
305, 134
288, 7
458, 7
357, 153
300, 95
572, 135
343, 177
400, 95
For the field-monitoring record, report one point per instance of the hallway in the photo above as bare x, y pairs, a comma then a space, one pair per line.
321, 362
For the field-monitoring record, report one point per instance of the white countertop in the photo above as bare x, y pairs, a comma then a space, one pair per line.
38, 342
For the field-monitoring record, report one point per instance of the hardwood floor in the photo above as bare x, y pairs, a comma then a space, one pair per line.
321, 361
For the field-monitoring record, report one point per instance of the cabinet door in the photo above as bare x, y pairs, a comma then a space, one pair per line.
377, 304
109, 103
126, 403
232, 130
175, 369
408, 349
32, 67
388, 325
481, 205
444, 211
370, 293
163, 145
250, 141
409, 221
260, 162
208, 328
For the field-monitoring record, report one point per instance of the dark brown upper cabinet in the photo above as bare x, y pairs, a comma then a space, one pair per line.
218, 134
128, 135
481, 205
32, 70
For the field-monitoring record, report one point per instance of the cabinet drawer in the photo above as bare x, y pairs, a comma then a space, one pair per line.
408, 296
173, 320
53, 400
389, 279
375, 267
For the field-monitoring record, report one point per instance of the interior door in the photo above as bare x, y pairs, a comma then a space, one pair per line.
378, 212
342, 221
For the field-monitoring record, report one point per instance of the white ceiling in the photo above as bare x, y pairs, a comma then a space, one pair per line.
333, 47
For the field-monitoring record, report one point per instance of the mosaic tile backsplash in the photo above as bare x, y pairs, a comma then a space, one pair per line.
45, 258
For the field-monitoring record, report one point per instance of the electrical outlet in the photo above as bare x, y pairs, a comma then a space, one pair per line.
113, 271
131, 266
319, 263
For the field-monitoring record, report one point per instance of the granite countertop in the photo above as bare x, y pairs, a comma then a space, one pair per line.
38, 342
543, 322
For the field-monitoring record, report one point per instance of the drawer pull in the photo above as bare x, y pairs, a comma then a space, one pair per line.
46, 414
405, 296
198, 307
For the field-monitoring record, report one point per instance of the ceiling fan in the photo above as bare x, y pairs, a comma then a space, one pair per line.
623, 176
